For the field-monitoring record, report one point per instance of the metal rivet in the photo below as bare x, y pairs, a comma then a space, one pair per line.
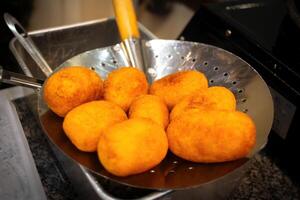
175, 162
147, 44
152, 72
116, 47
152, 171
172, 171
190, 168
228, 33
181, 38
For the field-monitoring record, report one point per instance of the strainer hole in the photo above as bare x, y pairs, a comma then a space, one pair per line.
182, 57
233, 82
245, 110
216, 68
244, 100
225, 74
103, 64
169, 56
156, 56
92, 68
114, 61
205, 63
194, 60
211, 81
240, 91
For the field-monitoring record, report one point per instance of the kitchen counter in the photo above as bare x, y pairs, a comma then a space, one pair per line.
264, 180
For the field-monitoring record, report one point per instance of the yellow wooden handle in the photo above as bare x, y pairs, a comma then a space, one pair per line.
126, 19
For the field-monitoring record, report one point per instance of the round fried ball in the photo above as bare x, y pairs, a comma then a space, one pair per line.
209, 136
123, 85
70, 87
216, 98
133, 146
150, 107
84, 124
173, 88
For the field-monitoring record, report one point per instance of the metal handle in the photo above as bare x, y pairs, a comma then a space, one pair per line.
27, 43
104, 195
129, 32
19, 79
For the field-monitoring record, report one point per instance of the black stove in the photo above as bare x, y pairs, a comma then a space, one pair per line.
266, 34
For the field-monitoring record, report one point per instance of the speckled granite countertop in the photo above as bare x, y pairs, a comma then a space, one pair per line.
264, 180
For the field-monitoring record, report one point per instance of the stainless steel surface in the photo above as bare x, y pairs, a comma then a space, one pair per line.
86, 187
161, 58
221, 68
164, 57
19, 79
132, 47
104, 195
28, 44
61, 43
19, 177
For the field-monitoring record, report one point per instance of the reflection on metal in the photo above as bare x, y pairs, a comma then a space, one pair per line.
132, 48
244, 6
228, 33
19, 79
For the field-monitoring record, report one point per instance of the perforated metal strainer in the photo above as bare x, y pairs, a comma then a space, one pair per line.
160, 58
164, 57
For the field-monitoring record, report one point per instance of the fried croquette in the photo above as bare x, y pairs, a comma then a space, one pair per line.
208, 136
214, 98
133, 146
70, 87
125, 84
84, 124
150, 107
174, 87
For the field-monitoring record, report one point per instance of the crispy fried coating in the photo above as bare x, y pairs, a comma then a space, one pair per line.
214, 98
211, 135
133, 146
70, 87
174, 87
125, 84
84, 124
150, 107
